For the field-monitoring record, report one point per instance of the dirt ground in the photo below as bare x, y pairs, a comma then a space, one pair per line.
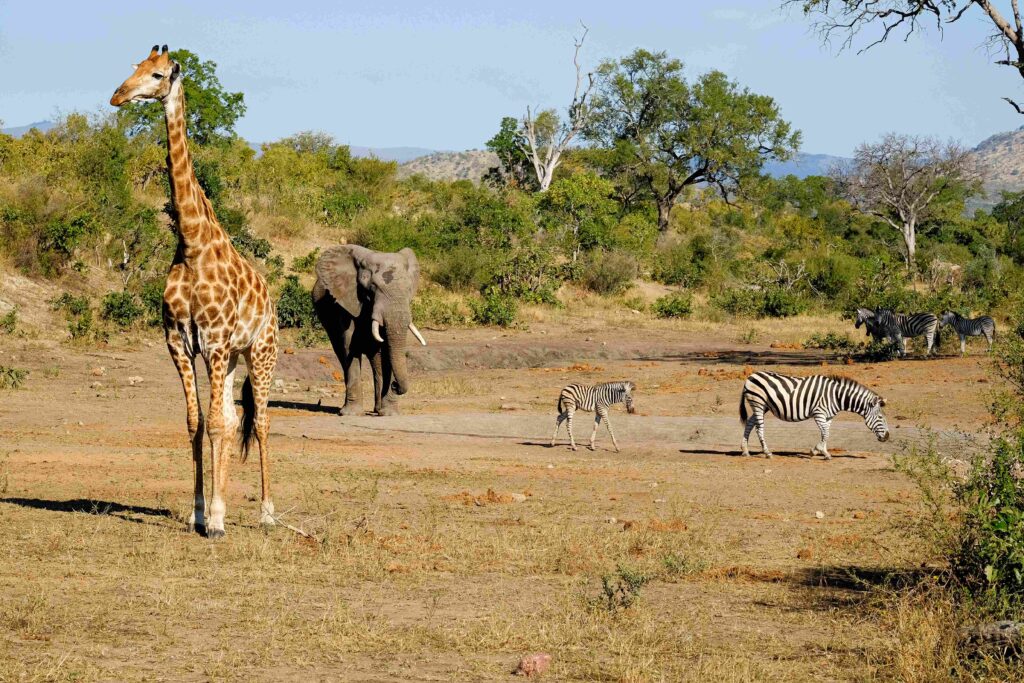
425, 566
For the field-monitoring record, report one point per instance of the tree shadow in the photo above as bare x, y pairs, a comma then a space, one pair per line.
91, 507
743, 357
862, 579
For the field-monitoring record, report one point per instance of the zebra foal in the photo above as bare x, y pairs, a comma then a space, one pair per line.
970, 327
795, 399
882, 323
597, 398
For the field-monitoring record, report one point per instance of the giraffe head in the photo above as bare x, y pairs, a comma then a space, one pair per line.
152, 79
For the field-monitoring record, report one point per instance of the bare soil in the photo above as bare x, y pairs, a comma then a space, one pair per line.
424, 566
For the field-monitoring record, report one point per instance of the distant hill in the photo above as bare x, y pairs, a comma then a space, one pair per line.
1001, 157
803, 165
18, 131
470, 165
399, 154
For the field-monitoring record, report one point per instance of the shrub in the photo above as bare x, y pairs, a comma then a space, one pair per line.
78, 311
675, 305
619, 591
305, 264
462, 269
121, 308
295, 305
768, 302
9, 322
153, 301
432, 309
608, 272
12, 378
777, 302
683, 263
738, 302
830, 341
495, 308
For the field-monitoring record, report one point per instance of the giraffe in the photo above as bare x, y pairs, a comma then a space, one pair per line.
215, 305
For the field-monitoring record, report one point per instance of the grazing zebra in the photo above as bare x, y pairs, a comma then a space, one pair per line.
882, 323
596, 398
970, 327
795, 399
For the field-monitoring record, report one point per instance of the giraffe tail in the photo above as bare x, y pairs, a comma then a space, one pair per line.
247, 430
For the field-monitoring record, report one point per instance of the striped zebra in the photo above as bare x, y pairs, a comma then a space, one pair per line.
795, 399
969, 327
597, 398
882, 323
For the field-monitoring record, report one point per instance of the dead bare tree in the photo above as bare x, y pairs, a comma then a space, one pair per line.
546, 136
844, 20
902, 179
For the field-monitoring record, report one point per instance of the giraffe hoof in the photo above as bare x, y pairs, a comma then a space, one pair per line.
215, 534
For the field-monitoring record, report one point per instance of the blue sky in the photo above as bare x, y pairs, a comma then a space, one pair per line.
441, 75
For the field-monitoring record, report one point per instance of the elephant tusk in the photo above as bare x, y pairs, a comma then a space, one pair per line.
375, 331
416, 333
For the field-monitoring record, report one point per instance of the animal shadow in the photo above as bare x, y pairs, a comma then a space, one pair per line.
800, 455
301, 405
91, 507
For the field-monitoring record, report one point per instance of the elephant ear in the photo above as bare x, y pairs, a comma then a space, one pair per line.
336, 269
413, 266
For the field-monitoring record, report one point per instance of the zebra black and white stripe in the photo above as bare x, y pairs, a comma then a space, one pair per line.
795, 399
596, 398
883, 323
970, 327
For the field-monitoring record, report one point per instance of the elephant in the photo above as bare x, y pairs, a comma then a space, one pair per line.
362, 298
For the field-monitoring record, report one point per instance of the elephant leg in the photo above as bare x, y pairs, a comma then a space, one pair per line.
383, 398
351, 365
341, 331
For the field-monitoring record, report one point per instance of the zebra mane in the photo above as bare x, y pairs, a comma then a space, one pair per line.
619, 385
849, 381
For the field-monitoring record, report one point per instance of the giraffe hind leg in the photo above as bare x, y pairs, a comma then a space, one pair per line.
186, 367
261, 361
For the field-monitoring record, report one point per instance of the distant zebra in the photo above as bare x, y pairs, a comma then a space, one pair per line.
970, 327
883, 323
795, 399
596, 398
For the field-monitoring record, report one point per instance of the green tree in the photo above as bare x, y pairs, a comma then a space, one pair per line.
514, 167
674, 134
211, 111
581, 208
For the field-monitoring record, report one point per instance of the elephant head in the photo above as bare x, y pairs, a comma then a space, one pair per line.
379, 286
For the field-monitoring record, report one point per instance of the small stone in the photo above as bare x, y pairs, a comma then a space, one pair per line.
588, 339
654, 484
767, 471
132, 381
859, 515
604, 343
819, 514
550, 466
279, 384
96, 385
659, 500
81, 424
99, 371
805, 554
611, 520
533, 665
518, 497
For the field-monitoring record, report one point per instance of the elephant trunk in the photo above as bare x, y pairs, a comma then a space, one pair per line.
395, 320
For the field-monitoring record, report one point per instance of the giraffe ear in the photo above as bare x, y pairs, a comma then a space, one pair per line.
175, 70
336, 270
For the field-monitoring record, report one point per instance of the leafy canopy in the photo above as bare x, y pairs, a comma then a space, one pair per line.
211, 111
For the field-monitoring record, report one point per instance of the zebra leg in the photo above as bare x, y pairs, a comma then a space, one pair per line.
963, 346
759, 424
593, 433
572, 439
988, 338
608, 424
824, 424
930, 338
749, 427
558, 423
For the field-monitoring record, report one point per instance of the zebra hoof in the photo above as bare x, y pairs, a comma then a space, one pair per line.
767, 455
745, 454
215, 534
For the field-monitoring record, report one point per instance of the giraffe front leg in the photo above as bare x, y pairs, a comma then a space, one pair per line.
186, 367
221, 428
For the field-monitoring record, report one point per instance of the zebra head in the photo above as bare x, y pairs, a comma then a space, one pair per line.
628, 388
875, 420
863, 316
946, 318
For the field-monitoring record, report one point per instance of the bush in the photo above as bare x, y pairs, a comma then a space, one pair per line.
675, 305
683, 263
153, 301
738, 302
295, 305
495, 308
620, 590
830, 342
462, 269
78, 311
9, 322
305, 264
12, 378
768, 302
121, 308
608, 273
432, 309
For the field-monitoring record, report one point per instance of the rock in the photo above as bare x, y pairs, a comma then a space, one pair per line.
859, 515
518, 497
98, 371
279, 384
550, 466
659, 500
588, 339
805, 554
533, 665
611, 520
96, 385
767, 471
819, 514
958, 468
135, 379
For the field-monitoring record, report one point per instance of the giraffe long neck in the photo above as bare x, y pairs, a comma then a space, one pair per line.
197, 226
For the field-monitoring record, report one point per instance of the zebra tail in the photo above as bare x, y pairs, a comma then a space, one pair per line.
743, 407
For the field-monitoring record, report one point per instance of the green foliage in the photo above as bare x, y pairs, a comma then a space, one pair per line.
295, 305
152, 297
608, 272
683, 263
495, 308
305, 264
9, 321
121, 308
675, 305
580, 211
514, 168
12, 378
765, 302
830, 341
78, 311
433, 309
621, 590
211, 111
